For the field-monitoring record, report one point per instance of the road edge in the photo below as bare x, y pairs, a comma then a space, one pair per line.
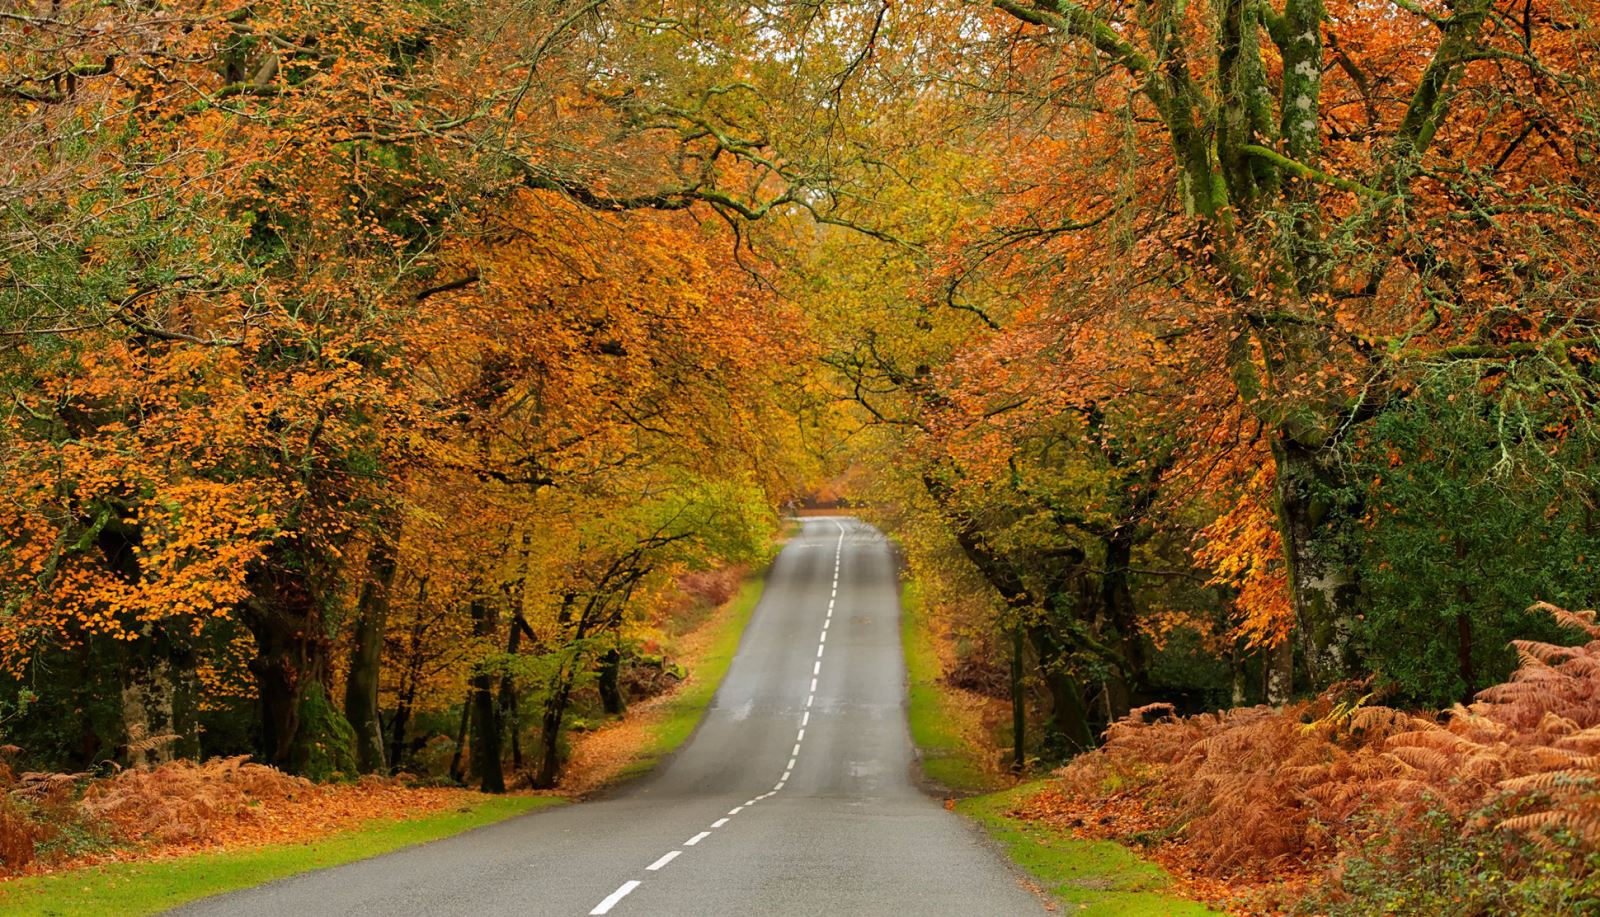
140, 887
1061, 869
700, 694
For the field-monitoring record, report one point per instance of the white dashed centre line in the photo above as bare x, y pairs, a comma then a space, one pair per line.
663, 861
622, 891
605, 906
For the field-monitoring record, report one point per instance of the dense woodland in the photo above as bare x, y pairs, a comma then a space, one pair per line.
373, 370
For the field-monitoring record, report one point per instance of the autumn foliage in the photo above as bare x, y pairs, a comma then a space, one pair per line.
1259, 793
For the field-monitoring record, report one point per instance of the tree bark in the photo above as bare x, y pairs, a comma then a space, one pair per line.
1323, 587
510, 715
366, 658
610, 691
1019, 710
486, 732
456, 774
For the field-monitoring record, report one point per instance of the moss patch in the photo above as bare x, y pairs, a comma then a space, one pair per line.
325, 745
146, 888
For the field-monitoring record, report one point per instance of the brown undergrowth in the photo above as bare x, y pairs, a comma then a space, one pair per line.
55, 821
1271, 800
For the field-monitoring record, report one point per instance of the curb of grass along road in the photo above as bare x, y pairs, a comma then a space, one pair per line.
947, 764
138, 888
1101, 877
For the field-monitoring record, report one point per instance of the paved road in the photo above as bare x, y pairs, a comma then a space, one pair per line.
795, 796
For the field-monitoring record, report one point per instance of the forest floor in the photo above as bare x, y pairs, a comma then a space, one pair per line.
149, 841
955, 734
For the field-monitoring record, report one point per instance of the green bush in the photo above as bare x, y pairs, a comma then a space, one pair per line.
1447, 868
1467, 527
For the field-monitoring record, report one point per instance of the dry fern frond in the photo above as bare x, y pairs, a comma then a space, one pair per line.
182, 800
1253, 785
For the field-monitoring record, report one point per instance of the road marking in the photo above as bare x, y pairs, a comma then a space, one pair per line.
612, 899
627, 887
663, 861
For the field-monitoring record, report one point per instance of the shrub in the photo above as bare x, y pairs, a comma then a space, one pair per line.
1252, 787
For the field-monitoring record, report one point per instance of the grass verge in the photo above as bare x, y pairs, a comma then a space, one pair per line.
946, 758
1098, 877
148, 887
678, 717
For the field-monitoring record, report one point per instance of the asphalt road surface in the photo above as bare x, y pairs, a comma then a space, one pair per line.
795, 796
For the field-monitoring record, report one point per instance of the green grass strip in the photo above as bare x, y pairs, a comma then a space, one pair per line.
1099, 877
1102, 878
946, 759
682, 713
145, 888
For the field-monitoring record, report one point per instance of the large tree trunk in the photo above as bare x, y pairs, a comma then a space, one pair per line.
456, 774
555, 706
1280, 672
301, 732
1316, 528
1019, 706
366, 658
486, 734
555, 709
1069, 725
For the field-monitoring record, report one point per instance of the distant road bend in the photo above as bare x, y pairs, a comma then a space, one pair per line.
795, 796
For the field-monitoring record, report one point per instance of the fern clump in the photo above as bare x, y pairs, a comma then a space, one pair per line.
1339, 778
